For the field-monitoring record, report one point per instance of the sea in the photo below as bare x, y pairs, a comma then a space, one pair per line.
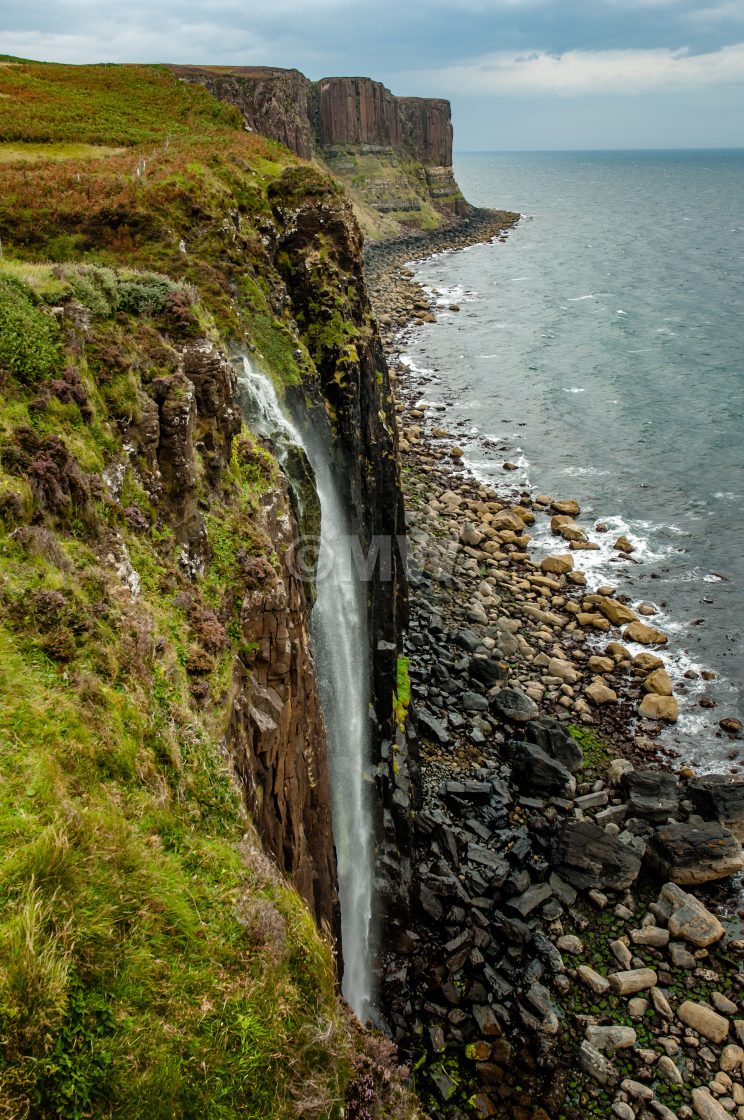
600, 348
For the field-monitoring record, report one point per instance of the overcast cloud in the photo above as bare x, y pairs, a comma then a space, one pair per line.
520, 73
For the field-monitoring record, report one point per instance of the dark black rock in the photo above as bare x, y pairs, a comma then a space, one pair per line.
466, 791
652, 795
473, 702
534, 771
512, 705
430, 903
586, 856
434, 728
530, 899
688, 854
719, 797
551, 735
488, 670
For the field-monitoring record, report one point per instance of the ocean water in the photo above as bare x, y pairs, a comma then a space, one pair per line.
601, 348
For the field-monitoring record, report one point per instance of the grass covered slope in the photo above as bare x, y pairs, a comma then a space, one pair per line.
152, 961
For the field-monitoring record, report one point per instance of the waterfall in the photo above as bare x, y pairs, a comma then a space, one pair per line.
340, 639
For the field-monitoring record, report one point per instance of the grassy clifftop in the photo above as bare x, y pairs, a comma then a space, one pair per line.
154, 963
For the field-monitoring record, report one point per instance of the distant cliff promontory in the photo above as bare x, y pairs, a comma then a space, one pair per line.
394, 154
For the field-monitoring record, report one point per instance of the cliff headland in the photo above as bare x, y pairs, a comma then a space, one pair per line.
182, 248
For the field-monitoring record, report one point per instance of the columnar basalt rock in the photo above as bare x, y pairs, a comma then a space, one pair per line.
394, 154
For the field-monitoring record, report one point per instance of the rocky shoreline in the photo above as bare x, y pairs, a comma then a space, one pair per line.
546, 957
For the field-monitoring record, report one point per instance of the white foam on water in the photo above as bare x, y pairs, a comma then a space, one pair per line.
591, 295
573, 389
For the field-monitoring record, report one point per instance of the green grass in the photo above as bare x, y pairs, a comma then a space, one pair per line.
402, 699
153, 962
110, 105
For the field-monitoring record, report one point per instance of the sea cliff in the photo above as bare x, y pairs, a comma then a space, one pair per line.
393, 154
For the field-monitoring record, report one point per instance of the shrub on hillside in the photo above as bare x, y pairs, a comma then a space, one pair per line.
29, 337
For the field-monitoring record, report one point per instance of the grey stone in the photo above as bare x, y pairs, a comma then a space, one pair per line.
534, 771
703, 1019
669, 1071
635, 980
720, 797
513, 705
652, 795
588, 857
551, 735
611, 1038
596, 1065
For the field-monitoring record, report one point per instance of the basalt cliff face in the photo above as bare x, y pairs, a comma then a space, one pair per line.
394, 154
167, 775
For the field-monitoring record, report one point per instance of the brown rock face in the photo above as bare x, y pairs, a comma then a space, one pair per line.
274, 102
345, 122
357, 111
276, 735
427, 129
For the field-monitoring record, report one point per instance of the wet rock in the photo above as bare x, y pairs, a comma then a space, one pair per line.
652, 795
488, 671
432, 727
645, 635
688, 918
514, 706
703, 1019
657, 707
530, 899
688, 854
587, 857
669, 1071
551, 735
720, 797
539, 997
534, 771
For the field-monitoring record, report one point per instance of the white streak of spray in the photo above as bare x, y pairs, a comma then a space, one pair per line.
339, 628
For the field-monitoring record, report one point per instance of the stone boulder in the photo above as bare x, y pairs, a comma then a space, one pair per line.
535, 772
658, 707
617, 613
720, 797
551, 735
513, 705
688, 854
644, 635
652, 795
488, 671
688, 918
558, 565
587, 857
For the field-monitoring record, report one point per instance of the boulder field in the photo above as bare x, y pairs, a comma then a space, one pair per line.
548, 951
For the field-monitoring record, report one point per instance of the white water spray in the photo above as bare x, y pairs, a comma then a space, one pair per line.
339, 629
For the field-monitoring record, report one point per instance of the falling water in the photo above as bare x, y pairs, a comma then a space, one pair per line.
341, 644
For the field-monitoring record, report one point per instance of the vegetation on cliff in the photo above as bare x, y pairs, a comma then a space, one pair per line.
154, 962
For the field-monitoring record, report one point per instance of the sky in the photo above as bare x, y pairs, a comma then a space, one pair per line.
521, 74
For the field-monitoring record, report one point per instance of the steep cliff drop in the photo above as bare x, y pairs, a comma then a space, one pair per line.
341, 642
392, 154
